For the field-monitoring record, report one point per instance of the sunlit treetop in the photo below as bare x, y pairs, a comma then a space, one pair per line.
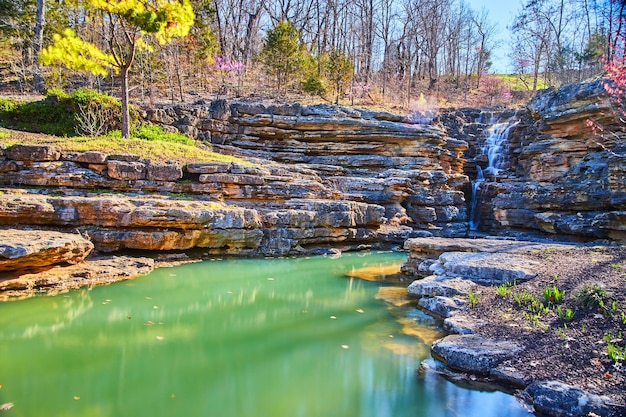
164, 19
71, 51
131, 20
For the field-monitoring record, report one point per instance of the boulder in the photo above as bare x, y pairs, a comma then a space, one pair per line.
33, 153
510, 376
486, 268
33, 249
444, 286
62, 278
122, 170
90, 157
558, 399
228, 240
125, 157
168, 171
442, 306
474, 354
461, 324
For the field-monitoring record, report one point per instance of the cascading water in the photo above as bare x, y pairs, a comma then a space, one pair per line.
495, 147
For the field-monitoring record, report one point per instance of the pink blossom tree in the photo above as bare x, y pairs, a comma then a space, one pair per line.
228, 71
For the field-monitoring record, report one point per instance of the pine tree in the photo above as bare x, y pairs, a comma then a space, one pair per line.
282, 52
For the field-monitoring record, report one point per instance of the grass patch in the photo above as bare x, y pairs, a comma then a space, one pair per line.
155, 133
522, 82
156, 150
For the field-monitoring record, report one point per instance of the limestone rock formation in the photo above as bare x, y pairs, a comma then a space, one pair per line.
368, 156
474, 354
560, 176
93, 271
558, 399
424, 252
36, 249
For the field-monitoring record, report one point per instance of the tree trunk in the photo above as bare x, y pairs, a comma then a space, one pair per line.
125, 109
40, 21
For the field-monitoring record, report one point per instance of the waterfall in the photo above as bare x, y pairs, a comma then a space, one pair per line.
474, 217
495, 147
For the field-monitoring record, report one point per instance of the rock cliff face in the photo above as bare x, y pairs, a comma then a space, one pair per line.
364, 156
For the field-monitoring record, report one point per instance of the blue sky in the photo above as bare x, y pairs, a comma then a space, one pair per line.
501, 12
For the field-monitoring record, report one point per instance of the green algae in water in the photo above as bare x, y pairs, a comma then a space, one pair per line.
230, 338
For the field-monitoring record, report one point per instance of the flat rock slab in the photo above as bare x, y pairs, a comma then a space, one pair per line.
438, 245
486, 268
474, 354
442, 306
32, 249
435, 285
461, 324
562, 400
62, 278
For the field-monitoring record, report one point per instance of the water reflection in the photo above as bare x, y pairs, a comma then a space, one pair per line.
289, 337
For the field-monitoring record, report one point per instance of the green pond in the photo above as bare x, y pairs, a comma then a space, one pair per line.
231, 338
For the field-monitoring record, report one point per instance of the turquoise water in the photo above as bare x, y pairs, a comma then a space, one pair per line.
230, 338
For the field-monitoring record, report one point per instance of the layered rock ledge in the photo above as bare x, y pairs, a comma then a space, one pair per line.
29, 249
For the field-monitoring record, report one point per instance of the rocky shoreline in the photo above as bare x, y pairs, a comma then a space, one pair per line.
490, 294
324, 179
559, 366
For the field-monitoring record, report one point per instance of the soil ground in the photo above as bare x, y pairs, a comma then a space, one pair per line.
572, 349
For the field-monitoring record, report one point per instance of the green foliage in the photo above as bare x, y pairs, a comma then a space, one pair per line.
615, 352
472, 298
553, 295
340, 71
565, 315
142, 22
590, 295
57, 113
7, 107
282, 52
314, 86
523, 298
72, 52
503, 290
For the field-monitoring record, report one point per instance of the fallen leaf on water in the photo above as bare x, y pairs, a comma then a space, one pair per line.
6, 406
148, 323
76, 398
173, 396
